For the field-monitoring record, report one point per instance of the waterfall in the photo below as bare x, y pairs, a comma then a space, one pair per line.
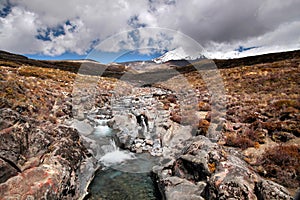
142, 120
145, 127
113, 155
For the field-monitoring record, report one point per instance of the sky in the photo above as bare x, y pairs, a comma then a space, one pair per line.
143, 29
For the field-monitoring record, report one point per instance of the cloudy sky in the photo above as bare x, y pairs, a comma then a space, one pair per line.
75, 28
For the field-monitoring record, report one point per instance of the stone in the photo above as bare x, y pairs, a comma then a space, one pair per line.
177, 188
176, 134
266, 189
149, 142
138, 145
83, 127
203, 126
139, 150
39, 160
220, 174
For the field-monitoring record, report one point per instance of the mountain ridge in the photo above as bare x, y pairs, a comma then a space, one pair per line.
11, 59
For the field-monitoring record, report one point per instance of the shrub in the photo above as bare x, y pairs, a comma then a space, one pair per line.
282, 163
240, 141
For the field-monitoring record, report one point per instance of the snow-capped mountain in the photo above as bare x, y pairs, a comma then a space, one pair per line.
177, 54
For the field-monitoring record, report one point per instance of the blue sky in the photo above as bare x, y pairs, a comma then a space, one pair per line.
103, 57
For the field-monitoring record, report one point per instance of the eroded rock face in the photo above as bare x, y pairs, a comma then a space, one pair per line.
38, 159
208, 171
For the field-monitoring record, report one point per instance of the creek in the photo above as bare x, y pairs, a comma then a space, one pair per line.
122, 174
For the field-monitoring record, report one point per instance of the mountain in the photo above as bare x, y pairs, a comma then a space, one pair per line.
178, 54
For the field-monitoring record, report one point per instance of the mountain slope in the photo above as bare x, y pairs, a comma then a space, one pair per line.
178, 54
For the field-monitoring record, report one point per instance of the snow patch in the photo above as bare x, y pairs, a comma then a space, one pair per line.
178, 54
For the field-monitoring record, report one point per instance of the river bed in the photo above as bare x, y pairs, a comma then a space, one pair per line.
122, 174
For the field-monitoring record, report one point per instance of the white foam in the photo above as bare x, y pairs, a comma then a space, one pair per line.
102, 131
116, 157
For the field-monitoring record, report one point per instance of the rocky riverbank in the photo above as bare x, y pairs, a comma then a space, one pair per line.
243, 145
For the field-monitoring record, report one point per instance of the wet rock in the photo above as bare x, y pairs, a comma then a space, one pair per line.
128, 127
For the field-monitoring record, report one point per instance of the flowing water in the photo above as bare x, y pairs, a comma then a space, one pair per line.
115, 184
123, 175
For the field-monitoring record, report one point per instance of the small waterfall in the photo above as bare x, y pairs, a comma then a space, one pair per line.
144, 125
111, 147
113, 155
102, 130
142, 120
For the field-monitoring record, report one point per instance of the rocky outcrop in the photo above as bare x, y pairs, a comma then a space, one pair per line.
205, 170
38, 159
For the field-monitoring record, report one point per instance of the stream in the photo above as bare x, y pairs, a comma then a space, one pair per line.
122, 174
139, 124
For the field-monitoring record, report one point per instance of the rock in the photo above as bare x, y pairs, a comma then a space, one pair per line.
260, 135
138, 141
139, 150
83, 127
176, 118
288, 113
181, 189
116, 68
128, 127
149, 142
266, 189
175, 134
201, 114
7, 170
214, 132
221, 174
39, 159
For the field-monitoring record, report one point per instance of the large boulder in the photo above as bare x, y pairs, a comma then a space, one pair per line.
38, 160
207, 170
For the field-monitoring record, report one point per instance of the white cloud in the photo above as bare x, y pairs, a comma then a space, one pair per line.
18, 30
285, 38
218, 25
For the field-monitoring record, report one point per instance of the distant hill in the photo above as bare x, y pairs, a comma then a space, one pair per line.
116, 70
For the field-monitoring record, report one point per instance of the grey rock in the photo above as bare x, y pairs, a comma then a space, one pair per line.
266, 189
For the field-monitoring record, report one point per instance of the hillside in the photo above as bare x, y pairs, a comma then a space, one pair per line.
252, 149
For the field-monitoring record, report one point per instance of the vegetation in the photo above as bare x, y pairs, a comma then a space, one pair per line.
282, 164
261, 97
